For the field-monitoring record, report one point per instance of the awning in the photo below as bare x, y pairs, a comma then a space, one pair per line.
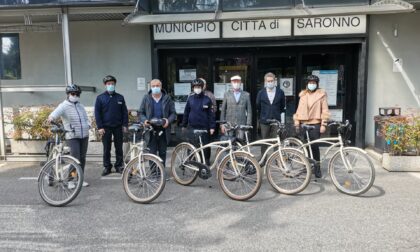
380, 7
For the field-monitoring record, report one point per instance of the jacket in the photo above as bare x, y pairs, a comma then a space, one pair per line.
168, 111
267, 110
239, 113
74, 119
312, 113
110, 110
198, 112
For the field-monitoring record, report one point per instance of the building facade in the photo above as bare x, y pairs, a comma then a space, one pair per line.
366, 52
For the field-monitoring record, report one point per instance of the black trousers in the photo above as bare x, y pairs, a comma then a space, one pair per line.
267, 131
205, 139
117, 132
313, 135
78, 149
158, 145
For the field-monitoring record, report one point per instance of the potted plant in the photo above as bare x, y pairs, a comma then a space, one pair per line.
402, 135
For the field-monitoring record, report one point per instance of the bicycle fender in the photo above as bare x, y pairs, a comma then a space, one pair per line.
153, 155
72, 158
356, 148
245, 152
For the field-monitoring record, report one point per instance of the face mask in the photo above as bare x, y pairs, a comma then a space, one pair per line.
155, 90
73, 98
269, 85
311, 86
198, 90
236, 86
110, 88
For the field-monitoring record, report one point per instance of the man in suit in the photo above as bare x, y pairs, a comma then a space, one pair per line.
271, 104
236, 106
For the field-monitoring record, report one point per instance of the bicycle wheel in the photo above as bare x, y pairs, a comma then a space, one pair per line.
356, 180
227, 174
60, 184
246, 178
292, 177
145, 186
293, 142
182, 174
131, 154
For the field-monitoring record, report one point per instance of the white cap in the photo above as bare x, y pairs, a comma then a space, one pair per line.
235, 77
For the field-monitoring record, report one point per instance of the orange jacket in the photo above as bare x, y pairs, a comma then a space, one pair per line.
314, 113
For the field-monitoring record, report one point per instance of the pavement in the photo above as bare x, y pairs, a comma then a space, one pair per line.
201, 218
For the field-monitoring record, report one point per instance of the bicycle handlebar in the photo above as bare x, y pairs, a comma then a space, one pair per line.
276, 123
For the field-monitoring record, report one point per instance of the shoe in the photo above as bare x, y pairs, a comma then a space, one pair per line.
106, 171
318, 175
250, 170
119, 170
71, 185
85, 184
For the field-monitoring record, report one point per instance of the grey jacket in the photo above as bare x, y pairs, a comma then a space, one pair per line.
168, 106
74, 117
236, 112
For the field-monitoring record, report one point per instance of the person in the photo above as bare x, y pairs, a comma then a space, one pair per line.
76, 123
158, 105
198, 114
112, 120
270, 105
236, 106
313, 110
209, 94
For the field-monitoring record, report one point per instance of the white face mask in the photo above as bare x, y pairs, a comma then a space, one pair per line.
73, 98
311, 86
270, 85
236, 86
198, 90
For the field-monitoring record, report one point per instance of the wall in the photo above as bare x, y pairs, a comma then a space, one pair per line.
97, 49
386, 88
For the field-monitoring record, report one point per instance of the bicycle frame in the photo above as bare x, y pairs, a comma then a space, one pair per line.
58, 154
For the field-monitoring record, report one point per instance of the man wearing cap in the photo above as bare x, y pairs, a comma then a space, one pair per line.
198, 114
236, 106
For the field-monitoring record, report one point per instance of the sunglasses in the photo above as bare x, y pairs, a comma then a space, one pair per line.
74, 94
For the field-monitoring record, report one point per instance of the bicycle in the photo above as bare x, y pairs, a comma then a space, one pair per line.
61, 177
188, 163
350, 168
144, 175
288, 170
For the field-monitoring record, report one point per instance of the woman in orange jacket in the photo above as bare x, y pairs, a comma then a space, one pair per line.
313, 110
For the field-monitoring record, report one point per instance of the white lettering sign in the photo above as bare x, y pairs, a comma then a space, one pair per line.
330, 25
188, 30
257, 28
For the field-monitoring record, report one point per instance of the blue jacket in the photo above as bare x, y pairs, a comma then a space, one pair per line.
110, 110
198, 112
168, 110
267, 110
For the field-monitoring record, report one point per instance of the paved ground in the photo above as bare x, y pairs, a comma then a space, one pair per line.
201, 218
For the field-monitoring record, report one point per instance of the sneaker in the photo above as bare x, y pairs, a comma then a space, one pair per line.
85, 184
71, 185
106, 171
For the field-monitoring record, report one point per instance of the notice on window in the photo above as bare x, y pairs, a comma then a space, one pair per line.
328, 80
182, 88
286, 84
336, 115
187, 74
180, 107
219, 90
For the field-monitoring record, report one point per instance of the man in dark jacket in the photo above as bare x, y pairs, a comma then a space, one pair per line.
271, 104
158, 105
111, 117
198, 114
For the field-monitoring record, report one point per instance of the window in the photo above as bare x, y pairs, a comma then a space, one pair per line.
320, 3
10, 57
244, 4
159, 6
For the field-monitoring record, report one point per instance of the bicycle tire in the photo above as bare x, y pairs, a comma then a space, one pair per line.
336, 166
131, 174
179, 155
45, 174
296, 143
246, 170
288, 177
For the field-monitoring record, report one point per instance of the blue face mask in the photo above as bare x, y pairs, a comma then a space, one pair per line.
156, 90
110, 88
311, 86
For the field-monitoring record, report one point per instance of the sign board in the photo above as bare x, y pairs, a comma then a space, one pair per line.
328, 80
330, 25
219, 90
187, 74
257, 28
286, 84
186, 30
336, 115
141, 84
182, 88
180, 107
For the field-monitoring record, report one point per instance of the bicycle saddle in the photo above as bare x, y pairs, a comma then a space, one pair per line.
135, 127
200, 132
308, 127
245, 127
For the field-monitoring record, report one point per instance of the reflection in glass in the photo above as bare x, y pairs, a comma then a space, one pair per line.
10, 58
183, 5
243, 4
